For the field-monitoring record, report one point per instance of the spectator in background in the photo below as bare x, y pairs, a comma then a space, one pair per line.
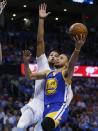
95, 126
2, 115
66, 127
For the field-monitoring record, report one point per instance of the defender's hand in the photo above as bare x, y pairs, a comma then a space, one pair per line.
26, 56
42, 11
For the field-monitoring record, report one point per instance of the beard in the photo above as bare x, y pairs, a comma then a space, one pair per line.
58, 66
51, 61
61, 66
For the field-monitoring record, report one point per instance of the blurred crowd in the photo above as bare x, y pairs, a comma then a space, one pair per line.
14, 42
83, 114
14, 93
84, 107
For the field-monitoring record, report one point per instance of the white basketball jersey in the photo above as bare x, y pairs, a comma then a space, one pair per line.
39, 84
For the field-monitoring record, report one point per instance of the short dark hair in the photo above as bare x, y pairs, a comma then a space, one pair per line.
68, 57
53, 50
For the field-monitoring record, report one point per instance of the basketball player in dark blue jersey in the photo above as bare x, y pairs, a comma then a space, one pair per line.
56, 87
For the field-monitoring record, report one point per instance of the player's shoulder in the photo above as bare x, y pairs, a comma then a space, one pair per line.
66, 79
48, 72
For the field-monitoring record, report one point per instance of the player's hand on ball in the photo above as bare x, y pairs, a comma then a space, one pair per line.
79, 41
26, 56
42, 11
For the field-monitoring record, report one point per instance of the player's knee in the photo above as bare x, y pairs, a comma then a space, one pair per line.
48, 124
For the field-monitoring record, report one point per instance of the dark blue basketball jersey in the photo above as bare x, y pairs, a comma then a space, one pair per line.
55, 88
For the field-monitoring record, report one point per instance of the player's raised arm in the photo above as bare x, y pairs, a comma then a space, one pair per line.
38, 75
0, 54
28, 73
40, 35
79, 42
26, 59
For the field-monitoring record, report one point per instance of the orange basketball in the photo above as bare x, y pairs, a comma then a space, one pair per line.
77, 29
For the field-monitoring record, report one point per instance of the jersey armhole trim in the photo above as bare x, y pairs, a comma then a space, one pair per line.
68, 81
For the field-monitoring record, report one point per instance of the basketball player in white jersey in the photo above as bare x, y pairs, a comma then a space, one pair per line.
33, 111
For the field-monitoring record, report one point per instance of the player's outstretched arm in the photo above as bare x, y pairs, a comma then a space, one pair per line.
26, 58
40, 35
36, 75
0, 54
79, 42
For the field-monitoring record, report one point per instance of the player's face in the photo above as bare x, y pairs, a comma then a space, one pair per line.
62, 61
53, 57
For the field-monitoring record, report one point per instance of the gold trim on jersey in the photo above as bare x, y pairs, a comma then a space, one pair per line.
68, 81
52, 115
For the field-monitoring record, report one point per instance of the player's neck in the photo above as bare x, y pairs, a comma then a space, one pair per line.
51, 65
60, 68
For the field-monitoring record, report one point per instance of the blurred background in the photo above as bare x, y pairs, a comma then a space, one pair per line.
18, 31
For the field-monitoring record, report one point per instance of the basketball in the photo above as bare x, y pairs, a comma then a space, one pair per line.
77, 29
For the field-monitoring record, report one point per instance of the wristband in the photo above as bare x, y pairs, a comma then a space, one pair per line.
77, 50
41, 18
